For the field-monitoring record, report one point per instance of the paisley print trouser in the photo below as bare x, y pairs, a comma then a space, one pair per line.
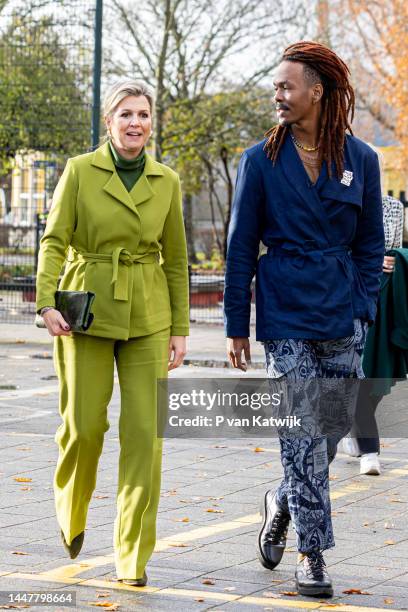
305, 365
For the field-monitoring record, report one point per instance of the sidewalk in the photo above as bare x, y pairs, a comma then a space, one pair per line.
206, 343
205, 557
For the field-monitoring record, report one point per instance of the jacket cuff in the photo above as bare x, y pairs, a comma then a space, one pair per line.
180, 330
237, 331
43, 302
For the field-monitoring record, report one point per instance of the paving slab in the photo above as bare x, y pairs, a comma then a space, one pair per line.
224, 475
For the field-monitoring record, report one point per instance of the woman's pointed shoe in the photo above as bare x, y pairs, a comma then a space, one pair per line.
74, 548
136, 582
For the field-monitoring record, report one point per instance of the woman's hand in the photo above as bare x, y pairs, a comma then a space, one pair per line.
389, 264
55, 323
235, 347
177, 351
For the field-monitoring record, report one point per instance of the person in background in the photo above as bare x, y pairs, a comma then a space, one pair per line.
358, 444
116, 219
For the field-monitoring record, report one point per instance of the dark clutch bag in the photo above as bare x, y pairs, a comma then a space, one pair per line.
75, 307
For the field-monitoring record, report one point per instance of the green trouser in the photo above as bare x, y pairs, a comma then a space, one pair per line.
85, 366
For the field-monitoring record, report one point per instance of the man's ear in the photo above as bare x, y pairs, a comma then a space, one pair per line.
317, 93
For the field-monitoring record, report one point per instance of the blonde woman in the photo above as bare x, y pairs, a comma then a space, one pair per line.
116, 219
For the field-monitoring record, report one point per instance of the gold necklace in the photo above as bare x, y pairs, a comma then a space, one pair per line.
303, 147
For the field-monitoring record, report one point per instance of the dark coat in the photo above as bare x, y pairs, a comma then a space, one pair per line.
386, 351
325, 245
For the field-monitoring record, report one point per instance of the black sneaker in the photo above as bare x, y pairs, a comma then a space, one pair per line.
274, 530
312, 577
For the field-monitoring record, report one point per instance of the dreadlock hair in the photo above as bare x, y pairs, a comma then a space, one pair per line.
321, 65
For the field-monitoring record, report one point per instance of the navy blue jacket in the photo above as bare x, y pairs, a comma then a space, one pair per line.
325, 245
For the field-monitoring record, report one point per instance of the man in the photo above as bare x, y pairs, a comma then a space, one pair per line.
312, 195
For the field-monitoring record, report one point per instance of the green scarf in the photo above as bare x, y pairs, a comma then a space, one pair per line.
129, 170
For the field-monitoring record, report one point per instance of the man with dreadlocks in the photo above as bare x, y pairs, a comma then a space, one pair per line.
311, 193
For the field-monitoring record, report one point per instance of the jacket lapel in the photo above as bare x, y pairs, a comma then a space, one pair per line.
102, 158
141, 191
297, 178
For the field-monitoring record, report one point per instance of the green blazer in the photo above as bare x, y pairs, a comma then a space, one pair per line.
127, 247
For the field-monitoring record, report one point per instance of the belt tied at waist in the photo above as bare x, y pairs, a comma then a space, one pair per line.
316, 255
121, 259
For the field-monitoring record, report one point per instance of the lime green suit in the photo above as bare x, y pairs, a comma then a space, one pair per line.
129, 248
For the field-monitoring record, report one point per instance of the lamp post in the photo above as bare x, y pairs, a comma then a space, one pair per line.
96, 96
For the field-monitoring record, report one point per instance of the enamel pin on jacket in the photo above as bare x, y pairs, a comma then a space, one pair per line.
325, 245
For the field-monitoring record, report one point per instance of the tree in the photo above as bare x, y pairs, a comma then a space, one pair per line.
204, 138
42, 103
192, 51
374, 36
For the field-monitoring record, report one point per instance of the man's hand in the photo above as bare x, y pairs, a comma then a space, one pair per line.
389, 264
55, 323
177, 351
235, 346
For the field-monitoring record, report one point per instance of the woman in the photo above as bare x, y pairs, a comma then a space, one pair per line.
117, 219
359, 444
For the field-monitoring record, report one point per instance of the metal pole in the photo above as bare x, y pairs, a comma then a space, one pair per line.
96, 102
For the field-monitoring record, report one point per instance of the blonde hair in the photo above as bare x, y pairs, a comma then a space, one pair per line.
122, 89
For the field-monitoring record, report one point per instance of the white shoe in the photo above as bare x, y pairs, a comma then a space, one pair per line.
350, 447
370, 464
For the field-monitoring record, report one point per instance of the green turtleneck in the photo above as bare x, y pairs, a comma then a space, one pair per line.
129, 170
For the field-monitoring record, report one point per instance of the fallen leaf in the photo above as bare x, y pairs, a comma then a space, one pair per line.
356, 592
13, 606
19, 552
18, 479
389, 525
396, 501
388, 600
214, 511
334, 477
24, 448
179, 545
199, 599
108, 605
258, 449
101, 496
215, 499
389, 542
208, 581
219, 446
26, 488
183, 520
289, 593
103, 594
